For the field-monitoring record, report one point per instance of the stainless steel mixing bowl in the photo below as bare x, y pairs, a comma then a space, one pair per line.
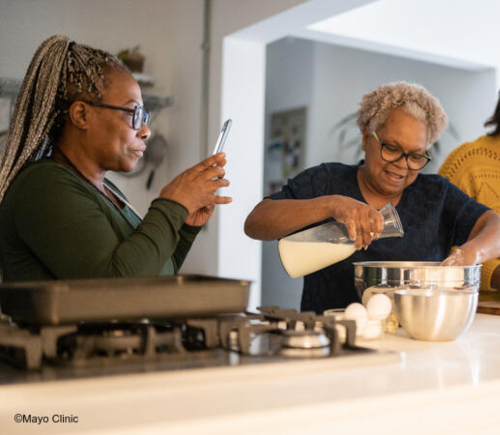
435, 314
394, 274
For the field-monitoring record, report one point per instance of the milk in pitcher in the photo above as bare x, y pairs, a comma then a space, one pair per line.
301, 258
313, 249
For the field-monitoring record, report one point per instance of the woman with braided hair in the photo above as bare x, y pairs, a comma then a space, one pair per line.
79, 114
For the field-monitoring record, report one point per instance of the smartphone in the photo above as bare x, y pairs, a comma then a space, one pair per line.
221, 140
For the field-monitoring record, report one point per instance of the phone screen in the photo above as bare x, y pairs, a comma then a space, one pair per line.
221, 140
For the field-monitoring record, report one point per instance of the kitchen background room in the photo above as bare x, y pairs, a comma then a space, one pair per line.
285, 84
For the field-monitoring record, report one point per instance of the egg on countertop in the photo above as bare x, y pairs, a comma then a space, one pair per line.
358, 313
367, 294
371, 330
379, 307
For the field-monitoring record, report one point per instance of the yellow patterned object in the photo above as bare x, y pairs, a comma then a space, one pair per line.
474, 167
391, 324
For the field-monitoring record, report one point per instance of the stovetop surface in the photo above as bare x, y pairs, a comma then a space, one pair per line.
201, 359
35, 353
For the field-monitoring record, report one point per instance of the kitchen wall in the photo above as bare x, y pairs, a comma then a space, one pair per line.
330, 80
289, 84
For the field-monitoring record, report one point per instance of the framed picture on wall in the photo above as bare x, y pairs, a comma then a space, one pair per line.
285, 150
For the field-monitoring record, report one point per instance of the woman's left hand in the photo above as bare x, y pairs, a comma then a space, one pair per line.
483, 243
200, 216
457, 258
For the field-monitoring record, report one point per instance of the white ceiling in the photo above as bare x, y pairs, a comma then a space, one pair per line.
456, 33
460, 33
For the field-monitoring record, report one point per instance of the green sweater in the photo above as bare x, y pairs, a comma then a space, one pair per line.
55, 225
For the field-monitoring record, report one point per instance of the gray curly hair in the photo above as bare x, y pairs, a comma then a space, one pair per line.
414, 99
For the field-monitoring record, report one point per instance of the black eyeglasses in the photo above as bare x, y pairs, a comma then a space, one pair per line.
392, 153
140, 116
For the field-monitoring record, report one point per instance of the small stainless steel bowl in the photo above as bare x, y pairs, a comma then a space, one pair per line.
435, 314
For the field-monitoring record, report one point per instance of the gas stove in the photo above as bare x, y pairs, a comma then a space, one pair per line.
44, 335
94, 349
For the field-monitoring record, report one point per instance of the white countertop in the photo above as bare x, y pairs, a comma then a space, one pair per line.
412, 386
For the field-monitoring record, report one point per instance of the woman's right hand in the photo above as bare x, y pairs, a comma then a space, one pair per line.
195, 187
363, 222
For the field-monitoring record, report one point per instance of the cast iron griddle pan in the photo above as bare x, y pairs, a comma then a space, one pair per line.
97, 300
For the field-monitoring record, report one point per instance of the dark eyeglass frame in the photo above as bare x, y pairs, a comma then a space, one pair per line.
402, 154
139, 114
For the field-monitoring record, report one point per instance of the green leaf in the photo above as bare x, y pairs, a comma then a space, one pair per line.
342, 135
354, 141
345, 121
453, 132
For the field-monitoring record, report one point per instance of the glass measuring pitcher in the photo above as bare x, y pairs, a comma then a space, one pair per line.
316, 248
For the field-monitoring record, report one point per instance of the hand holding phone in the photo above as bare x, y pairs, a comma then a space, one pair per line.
221, 140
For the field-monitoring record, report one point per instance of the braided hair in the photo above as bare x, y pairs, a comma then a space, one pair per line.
60, 72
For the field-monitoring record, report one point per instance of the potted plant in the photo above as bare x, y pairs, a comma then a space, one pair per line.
132, 58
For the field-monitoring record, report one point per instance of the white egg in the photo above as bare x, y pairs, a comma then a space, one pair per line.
367, 294
358, 313
379, 307
371, 330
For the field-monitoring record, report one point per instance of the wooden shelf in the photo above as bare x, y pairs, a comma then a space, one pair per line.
155, 102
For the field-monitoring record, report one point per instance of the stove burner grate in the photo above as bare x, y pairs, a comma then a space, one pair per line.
119, 340
272, 332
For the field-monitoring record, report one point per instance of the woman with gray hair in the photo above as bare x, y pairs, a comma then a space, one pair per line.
79, 114
399, 122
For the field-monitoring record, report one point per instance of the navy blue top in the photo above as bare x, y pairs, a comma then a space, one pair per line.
434, 213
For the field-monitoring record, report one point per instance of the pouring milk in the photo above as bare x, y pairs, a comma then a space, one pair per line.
303, 258
316, 248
